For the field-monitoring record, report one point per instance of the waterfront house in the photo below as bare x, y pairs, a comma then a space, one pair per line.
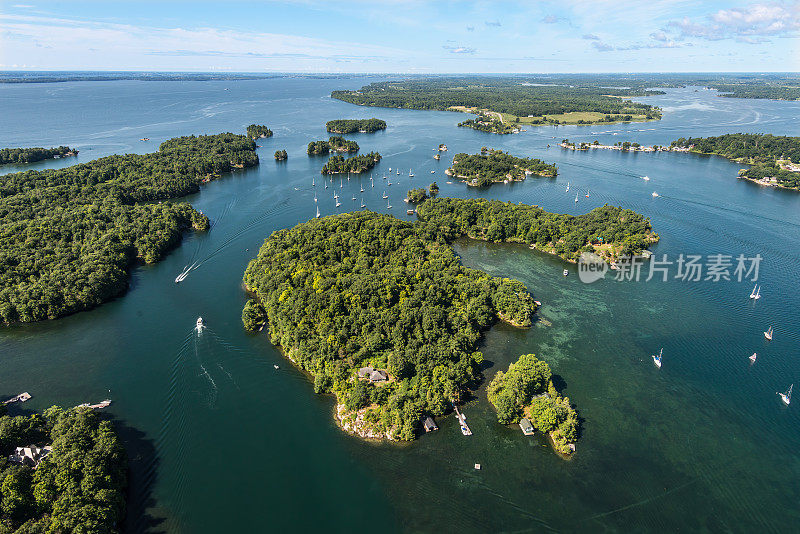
429, 425
526, 426
365, 372
30, 455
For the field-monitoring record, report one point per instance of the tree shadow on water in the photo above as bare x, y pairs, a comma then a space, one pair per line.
143, 463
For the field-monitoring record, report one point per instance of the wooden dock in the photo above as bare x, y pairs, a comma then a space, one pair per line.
22, 397
99, 405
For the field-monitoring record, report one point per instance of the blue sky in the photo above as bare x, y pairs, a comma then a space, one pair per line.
401, 36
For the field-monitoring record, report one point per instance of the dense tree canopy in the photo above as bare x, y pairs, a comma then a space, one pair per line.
496, 166
417, 195
527, 390
255, 131
354, 164
511, 95
281, 155
608, 230
346, 126
30, 155
484, 123
68, 237
335, 143
79, 487
363, 289
760, 150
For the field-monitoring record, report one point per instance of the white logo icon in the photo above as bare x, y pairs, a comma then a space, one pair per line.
591, 267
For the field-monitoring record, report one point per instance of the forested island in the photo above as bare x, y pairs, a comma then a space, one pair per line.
609, 231
256, 131
485, 123
493, 166
69, 237
354, 164
31, 155
346, 126
775, 159
381, 315
518, 99
335, 143
73, 480
281, 155
526, 391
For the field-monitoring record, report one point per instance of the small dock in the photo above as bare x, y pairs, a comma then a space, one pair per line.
22, 397
99, 405
462, 421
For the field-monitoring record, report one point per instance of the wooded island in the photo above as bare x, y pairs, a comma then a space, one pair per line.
70, 236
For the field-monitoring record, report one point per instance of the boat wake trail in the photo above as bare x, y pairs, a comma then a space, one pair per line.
275, 210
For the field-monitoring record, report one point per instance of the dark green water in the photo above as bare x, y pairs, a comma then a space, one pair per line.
222, 441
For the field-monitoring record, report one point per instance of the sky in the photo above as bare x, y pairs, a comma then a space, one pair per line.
408, 36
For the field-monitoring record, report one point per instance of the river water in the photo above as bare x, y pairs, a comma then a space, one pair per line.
220, 440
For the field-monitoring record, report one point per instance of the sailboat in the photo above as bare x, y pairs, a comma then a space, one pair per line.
372, 183
388, 206
567, 187
362, 203
313, 182
646, 178
315, 196
398, 172
657, 358
326, 185
768, 333
786, 397
354, 198
362, 188
753, 358
341, 183
338, 203
389, 182
756, 293
385, 195
587, 193
317, 212
576, 198
410, 174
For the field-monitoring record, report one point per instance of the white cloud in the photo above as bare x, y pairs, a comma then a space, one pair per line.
751, 24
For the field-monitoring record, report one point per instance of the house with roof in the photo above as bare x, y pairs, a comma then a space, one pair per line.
429, 425
373, 375
526, 426
30, 455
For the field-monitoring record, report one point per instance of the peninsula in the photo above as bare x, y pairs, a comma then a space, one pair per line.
495, 166
376, 312
489, 124
73, 234
525, 394
513, 100
61, 471
335, 143
774, 159
609, 231
354, 164
32, 155
346, 126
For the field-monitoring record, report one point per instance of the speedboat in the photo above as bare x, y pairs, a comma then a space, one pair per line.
657, 358
199, 325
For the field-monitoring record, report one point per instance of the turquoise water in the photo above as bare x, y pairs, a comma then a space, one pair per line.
222, 441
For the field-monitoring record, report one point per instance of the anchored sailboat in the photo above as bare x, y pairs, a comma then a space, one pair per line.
567, 187
362, 203
657, 358
576, 198
768, 333
756, 293
384, 194
587, 193
317, 212
786, 397
410, 174
388, 206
